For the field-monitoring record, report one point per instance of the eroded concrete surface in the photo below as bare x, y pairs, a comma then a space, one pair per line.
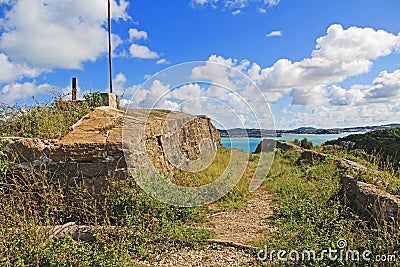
94, 147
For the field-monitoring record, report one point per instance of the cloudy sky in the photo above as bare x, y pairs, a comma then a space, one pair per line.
317, 63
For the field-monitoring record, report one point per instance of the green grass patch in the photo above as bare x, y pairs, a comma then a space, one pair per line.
309, 214
385, 177
132, 226
236, 198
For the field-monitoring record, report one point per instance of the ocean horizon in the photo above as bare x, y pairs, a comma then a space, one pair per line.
249, 144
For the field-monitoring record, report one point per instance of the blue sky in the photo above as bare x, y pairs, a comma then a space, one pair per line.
317, 63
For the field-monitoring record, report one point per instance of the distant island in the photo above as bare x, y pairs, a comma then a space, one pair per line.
384, 143
258, 133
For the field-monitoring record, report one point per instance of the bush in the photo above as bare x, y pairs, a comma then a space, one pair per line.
296, 142
94, 99
51, 121
304, 143
45, 121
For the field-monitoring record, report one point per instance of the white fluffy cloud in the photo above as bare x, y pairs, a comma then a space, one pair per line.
120, 78
212, 89
57, 33
162, 61
340, 54
384, 88
334, 106
219, 74
187, 92
202, 2
342, 97
135, 34
154, 95
120, 88
355, 44
10, 71
236, 12
262, 10
38, 36
235, 4
143, 52
274, 34
15, 91
314, 96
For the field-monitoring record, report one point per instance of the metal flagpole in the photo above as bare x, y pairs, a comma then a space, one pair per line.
109, 44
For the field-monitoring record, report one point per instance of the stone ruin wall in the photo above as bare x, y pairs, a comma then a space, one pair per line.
94, 147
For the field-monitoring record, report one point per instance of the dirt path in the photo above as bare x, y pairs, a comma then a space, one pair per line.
238, 226
246, 225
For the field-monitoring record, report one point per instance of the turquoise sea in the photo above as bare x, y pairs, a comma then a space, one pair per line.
250, 144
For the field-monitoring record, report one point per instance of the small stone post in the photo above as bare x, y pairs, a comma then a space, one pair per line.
74, 88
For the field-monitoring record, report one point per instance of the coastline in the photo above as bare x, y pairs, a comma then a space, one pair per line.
249, 144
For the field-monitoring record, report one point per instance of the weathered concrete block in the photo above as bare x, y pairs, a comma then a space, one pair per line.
26, 149
310, 155
287, 146
266, 145
110, 100
369, 200
94, 148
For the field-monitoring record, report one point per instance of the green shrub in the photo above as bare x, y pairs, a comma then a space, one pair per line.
304, 143
51, 121
309, 214
94, 99
45, 121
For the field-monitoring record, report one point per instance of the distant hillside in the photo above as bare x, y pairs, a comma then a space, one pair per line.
306, 129
384, 142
